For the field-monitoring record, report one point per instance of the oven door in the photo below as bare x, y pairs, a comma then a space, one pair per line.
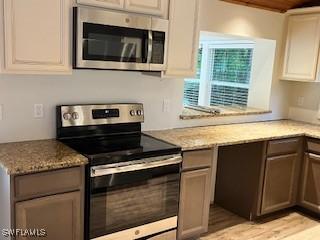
130, 204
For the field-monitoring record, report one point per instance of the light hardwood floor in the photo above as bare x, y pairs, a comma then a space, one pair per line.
285, 226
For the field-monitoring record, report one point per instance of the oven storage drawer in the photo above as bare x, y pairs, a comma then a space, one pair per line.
143, 232
171, 235
47, 183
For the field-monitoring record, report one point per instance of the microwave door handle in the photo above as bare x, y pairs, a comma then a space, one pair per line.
150, 47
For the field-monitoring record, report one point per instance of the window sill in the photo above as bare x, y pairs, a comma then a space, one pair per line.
189, 114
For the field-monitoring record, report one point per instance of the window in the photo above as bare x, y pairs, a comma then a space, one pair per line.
223, 75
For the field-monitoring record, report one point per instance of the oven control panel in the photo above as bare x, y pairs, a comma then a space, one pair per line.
100, 114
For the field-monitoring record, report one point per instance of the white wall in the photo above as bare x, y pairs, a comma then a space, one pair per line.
307, 108
262, 73
233, 19
18, 93
262, 66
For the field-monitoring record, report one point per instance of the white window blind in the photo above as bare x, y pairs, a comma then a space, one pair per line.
191, 92
225, 71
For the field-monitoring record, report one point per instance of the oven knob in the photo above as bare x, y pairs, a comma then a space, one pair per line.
67, 116
132, 112
75, 115
139, 112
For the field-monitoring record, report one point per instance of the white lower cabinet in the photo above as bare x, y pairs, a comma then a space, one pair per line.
36, 36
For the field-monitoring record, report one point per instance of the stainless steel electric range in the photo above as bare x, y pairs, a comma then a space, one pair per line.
132, 180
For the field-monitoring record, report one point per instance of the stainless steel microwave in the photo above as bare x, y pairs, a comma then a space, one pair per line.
112, 40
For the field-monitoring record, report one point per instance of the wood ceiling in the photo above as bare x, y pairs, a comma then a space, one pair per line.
276, 5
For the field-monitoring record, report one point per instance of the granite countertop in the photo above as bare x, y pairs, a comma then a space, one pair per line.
206, 137
37, 156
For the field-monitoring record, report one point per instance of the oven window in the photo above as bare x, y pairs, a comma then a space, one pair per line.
111, 43
133, 204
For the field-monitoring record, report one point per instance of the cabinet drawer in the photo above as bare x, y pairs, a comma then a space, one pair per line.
313, 146
197, 159
283, 146
47, 183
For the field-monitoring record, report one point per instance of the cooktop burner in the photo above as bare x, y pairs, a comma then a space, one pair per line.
119, 148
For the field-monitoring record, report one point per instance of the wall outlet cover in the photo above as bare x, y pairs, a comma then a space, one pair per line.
38, 111
166, 105
300, 101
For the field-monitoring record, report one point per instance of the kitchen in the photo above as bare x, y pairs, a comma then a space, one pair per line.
37, 76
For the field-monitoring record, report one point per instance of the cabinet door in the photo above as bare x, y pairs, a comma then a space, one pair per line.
153, 7
302, 48
183, 38
194, 203
60, 215
37, 35
310, 190
279, 183
113, 4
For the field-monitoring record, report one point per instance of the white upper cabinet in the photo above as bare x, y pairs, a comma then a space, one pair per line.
36, 34
114, 4
301, 52
153, 7
183, 38
150, 7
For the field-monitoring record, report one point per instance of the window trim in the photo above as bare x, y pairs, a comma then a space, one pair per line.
205, 86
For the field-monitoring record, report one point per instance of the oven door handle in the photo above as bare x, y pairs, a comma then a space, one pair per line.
107, 170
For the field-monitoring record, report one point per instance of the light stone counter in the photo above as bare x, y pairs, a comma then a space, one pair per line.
38, 156
44, 155
207, 137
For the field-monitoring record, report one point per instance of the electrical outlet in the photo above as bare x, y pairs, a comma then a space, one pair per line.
1, 112
300, 101
166, 105
38, 111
